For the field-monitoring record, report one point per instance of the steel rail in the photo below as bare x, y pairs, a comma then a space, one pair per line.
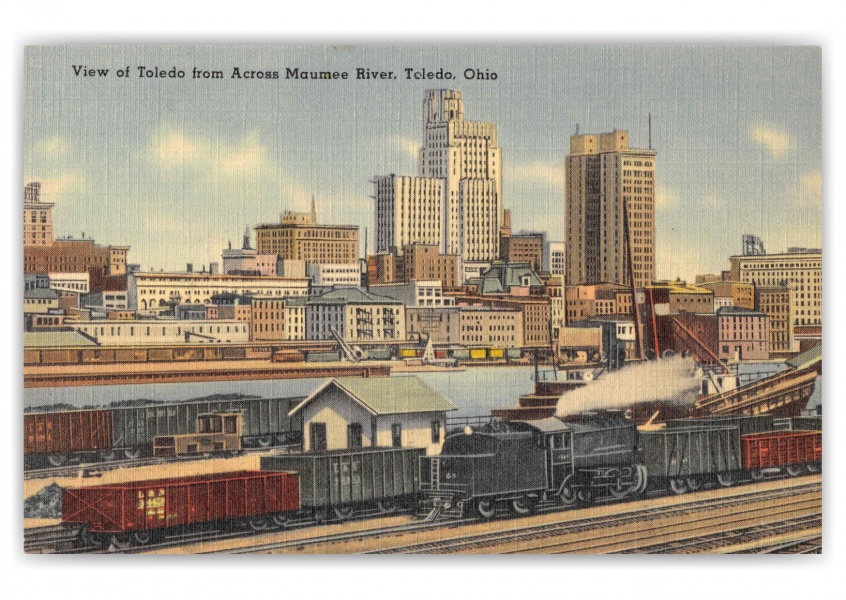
634, 515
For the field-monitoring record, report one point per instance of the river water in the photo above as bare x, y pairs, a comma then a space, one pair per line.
474, 391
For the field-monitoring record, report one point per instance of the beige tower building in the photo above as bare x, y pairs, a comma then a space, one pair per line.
602, 173
465, 157
409, 210
38, 217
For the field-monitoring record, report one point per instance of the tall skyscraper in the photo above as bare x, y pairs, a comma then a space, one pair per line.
602, 173
465, 156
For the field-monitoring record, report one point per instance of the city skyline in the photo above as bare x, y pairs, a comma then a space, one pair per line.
175, 168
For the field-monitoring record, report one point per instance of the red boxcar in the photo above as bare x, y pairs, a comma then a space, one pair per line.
71, 431
164, 503
781, 449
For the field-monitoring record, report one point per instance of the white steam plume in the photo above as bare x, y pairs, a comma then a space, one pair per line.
668, 379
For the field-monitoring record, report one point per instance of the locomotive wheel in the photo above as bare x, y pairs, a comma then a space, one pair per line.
320, 514
121, 541
258, 523
693, 483
486, 508
108, 455
678, 485
814, 467
567, 497
619, 490
132, 453
280, 519
95, 538
342, 513
265, 441
794, 470
57, 460
725, 479
143, 537
386, 506
585, 496
522, 506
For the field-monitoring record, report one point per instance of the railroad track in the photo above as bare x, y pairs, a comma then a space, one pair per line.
323, 540
534, 533
92, 469
51, 539
807, 545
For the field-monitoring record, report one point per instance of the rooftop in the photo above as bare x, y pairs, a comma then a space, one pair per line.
386, 395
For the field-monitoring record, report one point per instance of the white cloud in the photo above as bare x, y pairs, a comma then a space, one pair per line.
664, 196
712, 200
810, 188
53, 148
409, 146
175, 149
777, 142
54, 188
539, 172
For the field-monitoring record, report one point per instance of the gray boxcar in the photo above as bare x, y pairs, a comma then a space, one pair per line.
344, 479
266, 421
806, 423
323, 356
683, 457
747, 424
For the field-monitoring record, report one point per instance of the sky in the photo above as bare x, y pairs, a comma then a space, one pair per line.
176, 168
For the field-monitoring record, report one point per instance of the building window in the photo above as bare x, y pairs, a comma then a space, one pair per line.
354, 435
436, 432
396, 435
318, 436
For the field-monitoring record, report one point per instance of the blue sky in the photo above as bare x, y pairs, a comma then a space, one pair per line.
176, 168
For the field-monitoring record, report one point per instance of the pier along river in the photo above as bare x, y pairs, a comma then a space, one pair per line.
474, 391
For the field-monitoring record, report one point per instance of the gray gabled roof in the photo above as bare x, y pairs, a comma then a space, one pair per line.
385, 395
351, 295
41, 293
807, 358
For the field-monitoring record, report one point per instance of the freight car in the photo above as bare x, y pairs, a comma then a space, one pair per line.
109, 433
319, 486
573, 461
337, 483
141, 512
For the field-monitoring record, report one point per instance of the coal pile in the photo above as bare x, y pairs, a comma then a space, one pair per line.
45, 504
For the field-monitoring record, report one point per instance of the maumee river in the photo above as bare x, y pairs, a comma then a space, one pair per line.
474, 391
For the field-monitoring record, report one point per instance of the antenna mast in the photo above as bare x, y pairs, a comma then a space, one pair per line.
650, 131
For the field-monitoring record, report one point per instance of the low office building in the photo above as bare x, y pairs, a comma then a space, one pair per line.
415, 293
159, 291
277, 319
731, 293
144, 332
674, 297
470, 327
415, 262
331, 275
356, 315
40, 301
743, 334
353, 412
776, 302
800, 269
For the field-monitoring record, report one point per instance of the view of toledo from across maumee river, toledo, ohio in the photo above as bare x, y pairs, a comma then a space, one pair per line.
413, 299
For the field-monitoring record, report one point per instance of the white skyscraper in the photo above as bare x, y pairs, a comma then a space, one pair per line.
463, 154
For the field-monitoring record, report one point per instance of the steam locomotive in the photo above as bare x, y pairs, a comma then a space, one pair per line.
601, 455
